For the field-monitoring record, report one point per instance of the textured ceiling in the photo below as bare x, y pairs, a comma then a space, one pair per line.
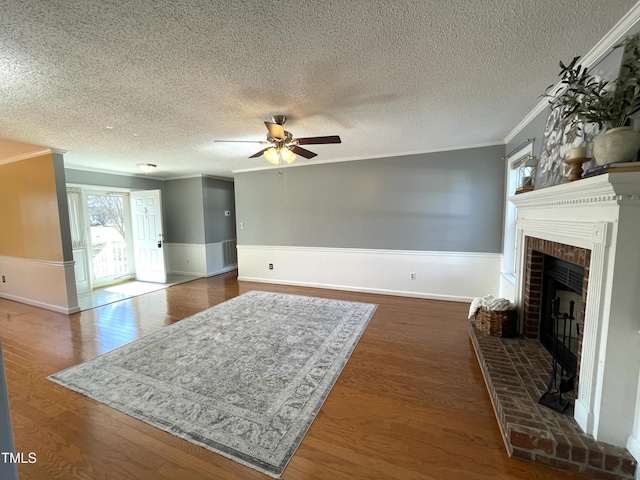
169, 77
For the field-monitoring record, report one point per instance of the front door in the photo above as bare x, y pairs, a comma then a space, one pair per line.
148, 238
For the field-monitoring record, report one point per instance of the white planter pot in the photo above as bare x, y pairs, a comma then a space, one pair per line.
617, 145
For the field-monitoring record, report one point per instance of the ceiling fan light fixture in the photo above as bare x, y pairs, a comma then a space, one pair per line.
278, 156
271, 154
285, 147
147, 168
287, 155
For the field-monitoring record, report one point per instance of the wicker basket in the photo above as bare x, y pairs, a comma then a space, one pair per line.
498, 324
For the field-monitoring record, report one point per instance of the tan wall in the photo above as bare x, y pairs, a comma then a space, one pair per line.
29, 218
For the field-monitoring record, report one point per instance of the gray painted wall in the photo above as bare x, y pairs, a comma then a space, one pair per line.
183, 205
444, 201
82, 177
218, 196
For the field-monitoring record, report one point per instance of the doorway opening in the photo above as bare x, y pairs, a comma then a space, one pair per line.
117, 236
109, 237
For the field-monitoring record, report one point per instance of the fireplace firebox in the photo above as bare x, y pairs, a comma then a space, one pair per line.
554, 270
560, 329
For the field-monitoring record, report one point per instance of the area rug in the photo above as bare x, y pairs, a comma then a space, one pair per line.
244, 379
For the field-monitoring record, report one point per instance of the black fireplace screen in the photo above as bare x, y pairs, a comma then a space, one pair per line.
561, 283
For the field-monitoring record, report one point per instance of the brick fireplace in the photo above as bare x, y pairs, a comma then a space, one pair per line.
600, 215
595, 224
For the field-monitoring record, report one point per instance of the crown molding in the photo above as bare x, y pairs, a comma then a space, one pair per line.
109, 172
597, 53
184, 177
216, 177
199, 175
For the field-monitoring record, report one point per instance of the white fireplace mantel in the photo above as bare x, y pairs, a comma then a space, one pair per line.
618, 188
601, 214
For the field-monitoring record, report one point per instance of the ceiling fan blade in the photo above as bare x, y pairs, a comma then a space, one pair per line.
255, 155
302, 152
261, 142
275, 130
318, 140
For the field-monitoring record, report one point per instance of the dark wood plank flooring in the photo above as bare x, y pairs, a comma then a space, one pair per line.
410, 404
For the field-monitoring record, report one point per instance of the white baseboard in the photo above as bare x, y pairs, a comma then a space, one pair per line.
457, 276
35, 303
185, 273
42, 283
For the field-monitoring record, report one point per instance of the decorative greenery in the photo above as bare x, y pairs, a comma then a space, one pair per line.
583, 98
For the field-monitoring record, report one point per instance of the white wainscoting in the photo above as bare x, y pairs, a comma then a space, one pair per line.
81, 269
198, 259
214, 257
186, 258
41, 283
458, 276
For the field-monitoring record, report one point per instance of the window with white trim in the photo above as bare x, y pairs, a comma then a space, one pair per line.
509, 254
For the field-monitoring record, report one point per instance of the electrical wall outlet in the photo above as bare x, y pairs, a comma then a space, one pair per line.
4, 280
412, 276
271, 266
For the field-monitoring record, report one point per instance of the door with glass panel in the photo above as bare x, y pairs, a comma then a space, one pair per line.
109, 237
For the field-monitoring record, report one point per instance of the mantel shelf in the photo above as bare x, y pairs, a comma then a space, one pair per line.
609, 188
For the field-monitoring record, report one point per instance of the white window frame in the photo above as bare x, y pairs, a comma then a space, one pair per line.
124, 193
509, 251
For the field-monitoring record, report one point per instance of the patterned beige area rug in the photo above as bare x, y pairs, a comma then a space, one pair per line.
244, 379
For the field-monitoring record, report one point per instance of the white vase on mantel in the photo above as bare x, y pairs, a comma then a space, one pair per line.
617, 145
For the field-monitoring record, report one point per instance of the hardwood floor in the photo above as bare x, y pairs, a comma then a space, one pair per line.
410, 403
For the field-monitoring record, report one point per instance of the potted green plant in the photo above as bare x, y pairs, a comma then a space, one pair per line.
583, 98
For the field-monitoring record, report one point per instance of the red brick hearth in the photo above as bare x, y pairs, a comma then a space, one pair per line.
516, 371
